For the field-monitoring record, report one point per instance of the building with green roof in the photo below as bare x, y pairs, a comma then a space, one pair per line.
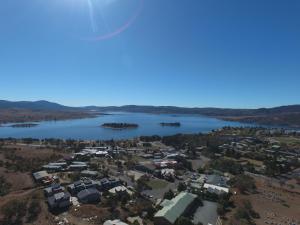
174, 208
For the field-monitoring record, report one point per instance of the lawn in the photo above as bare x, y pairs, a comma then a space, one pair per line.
157, 183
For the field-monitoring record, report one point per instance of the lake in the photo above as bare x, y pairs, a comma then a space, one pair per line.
90, 128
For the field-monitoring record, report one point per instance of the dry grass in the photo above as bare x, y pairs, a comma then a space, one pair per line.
274, 204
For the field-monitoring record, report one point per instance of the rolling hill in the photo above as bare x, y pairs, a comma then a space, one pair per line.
44, 110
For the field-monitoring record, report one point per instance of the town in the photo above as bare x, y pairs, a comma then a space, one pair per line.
234, 175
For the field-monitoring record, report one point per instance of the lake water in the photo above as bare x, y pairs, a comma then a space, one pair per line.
90, 128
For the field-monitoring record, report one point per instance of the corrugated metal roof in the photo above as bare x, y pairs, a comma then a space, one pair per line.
40, 175
175, 208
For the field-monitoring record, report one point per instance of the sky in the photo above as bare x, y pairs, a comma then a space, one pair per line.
193, 53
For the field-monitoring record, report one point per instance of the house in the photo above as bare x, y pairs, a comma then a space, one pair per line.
135, 220
215, 189
212, 183
90, 195
89, 173
79, 163
147, 156
52, 168
55, 167
61, 164
92, 151
174, 208
216, 184
114, 222
82, 185
42, 177
59, 200
53, 189
165, 163
216, 180
101, 153
175, 156
120, 190
78, 166
108, 183
168, 172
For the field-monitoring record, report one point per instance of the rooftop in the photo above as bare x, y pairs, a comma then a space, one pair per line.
172, 209
40, 175
114, 222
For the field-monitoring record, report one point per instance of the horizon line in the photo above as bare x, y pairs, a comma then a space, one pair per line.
146, 105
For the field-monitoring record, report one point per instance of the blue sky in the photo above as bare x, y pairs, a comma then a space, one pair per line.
235, 53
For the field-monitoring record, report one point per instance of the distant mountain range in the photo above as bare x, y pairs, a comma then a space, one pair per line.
279, 116
25, 111
37, 105
203, 111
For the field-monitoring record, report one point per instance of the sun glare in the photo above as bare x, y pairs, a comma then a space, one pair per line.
100, 19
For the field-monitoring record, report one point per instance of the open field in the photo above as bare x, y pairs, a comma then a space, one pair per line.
274, 204
18, 161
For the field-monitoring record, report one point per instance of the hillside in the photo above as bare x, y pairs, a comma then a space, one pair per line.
277, 116
37, 105
25, 111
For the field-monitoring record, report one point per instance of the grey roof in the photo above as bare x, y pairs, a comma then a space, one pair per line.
216, 180
89, 173
52, 167
173, 209
53, 188
58, 164
86, 192
79, 163
58, 200
81, 185
78, 166
40, 175
89, 195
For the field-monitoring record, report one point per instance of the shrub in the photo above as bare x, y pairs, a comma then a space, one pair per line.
34, 210
244, 183
14, 212
183, 221
4, 186
169, 195
181, 187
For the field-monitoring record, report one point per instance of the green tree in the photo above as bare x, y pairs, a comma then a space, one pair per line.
181, 187
243, 183
169, 195
183, 221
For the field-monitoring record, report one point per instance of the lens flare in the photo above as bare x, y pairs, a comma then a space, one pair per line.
117, 31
